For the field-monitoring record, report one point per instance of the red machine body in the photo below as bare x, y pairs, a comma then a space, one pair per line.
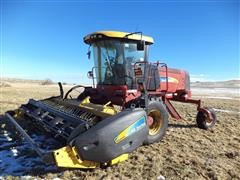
174, 86
173, 83
174, 80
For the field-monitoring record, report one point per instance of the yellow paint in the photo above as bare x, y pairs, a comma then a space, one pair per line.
101, 110
117, 34
68, 157
130, 129
122, 135
171, 79
86, 100
119, 159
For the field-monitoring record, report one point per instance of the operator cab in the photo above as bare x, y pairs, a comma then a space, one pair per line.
116, 55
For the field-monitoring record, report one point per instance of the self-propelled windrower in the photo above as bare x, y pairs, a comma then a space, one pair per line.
127, 106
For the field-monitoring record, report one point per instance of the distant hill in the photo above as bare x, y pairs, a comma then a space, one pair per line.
19, 80
217, 84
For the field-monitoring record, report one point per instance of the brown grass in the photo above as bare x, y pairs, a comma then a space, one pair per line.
47, 82
4, 84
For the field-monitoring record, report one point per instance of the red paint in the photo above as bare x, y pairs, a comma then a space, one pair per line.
149, 121
174, 86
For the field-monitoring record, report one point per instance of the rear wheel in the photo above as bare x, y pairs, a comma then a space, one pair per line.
157, 122
203, 121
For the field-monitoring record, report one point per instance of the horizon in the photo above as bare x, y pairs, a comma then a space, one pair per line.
55, 82
42, 39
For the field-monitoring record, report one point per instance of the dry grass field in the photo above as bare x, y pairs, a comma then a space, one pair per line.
186, 152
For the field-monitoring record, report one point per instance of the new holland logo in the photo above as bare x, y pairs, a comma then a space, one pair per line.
138, 125
170, 79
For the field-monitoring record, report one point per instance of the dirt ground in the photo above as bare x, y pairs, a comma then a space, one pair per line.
186, 152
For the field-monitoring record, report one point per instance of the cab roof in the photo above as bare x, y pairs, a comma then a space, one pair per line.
90, 38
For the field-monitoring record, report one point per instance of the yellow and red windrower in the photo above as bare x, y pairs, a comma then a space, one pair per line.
127, 105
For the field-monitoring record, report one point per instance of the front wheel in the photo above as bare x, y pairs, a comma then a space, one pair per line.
157, 122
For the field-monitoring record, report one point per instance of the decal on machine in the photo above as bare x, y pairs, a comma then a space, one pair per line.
170, 79
138, 125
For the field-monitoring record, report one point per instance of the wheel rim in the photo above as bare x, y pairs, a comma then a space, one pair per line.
208, 121
156, 125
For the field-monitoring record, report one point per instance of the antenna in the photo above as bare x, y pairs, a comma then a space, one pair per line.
134, 33
136, 29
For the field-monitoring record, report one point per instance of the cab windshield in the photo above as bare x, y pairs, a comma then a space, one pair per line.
114, 61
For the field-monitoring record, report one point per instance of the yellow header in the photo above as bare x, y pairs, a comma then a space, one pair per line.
116, 34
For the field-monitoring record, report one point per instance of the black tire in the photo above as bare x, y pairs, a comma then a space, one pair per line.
201, 119
160, 114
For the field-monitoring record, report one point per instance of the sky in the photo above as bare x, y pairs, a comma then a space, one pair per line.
44, 39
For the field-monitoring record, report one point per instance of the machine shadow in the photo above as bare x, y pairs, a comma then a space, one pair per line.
183, 125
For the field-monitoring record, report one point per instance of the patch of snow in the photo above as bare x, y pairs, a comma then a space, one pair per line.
217, 97
9, 139
17, 157
216, 92
26, 177
227, 111
57, 179
161, 177
14, 151
7, 136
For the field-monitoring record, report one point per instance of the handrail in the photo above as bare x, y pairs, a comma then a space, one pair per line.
165, 65
144, 76
93, 76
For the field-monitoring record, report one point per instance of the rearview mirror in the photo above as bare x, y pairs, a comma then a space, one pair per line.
140, 45
90, 74
89, 52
